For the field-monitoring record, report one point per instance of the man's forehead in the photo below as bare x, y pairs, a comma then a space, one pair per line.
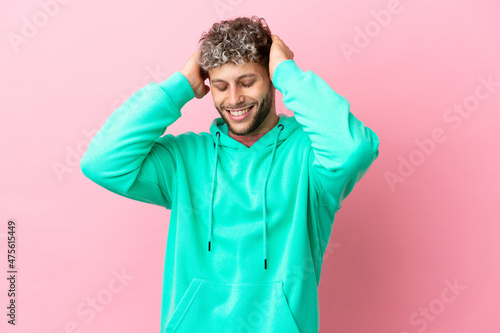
239, 77
233, 72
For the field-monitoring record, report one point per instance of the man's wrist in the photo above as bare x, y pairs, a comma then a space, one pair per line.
178, 88
188, 77
286, 71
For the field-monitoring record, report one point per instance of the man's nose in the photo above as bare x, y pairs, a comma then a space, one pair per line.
235, 97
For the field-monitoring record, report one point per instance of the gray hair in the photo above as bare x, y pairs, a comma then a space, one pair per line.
238, 41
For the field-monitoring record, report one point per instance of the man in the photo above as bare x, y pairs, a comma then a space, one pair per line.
253, 201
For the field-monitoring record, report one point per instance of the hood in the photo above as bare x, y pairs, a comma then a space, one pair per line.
289, 126
219, 131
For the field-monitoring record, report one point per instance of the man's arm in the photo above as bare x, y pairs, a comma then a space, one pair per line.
343, 147
127, 156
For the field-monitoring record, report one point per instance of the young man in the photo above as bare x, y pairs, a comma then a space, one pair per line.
253, 201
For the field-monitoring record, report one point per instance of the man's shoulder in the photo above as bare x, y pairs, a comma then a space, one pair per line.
297, 131
187, 139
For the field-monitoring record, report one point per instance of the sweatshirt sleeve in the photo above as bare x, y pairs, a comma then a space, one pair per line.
343, 148
128, 156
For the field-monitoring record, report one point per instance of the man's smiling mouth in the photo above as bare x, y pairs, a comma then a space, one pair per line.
239, 112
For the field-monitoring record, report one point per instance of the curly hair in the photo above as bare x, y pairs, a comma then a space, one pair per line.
238, 41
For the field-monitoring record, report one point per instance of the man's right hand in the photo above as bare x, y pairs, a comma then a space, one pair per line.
195, 76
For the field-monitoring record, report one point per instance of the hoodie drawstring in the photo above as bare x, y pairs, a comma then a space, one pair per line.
213, 190
264, 222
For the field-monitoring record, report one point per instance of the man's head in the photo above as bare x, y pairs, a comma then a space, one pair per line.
235, 54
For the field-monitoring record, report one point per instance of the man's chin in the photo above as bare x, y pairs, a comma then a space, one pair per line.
238, 128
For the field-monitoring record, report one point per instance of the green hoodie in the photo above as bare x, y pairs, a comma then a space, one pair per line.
248, 225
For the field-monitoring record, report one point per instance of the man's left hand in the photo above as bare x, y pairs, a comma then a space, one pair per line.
279, 52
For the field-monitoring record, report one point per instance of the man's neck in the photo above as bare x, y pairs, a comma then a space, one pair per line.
247, 140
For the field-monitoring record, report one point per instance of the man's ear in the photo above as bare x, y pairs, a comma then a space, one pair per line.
208, 76
205, 74
271, 81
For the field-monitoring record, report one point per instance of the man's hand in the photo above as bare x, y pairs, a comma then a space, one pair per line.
279, 52
195, 76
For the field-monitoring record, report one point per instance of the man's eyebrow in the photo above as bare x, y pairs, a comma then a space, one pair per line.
238, 78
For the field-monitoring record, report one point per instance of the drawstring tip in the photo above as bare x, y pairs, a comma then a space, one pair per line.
208, 245
265, 263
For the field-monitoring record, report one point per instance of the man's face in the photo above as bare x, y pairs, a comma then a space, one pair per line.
238, 87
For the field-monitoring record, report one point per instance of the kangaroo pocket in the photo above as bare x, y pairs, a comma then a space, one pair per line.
209, 306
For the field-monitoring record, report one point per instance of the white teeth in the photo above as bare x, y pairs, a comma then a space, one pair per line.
240, 113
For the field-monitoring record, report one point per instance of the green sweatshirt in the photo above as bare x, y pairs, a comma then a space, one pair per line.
248, 225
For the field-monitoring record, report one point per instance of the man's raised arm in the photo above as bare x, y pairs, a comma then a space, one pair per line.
128, 156
343, 147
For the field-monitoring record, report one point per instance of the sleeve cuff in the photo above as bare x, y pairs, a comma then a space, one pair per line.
178, 89
284, 72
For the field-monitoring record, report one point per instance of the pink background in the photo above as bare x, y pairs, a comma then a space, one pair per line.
395, 249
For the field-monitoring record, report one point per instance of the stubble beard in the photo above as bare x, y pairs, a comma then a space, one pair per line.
257, 119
